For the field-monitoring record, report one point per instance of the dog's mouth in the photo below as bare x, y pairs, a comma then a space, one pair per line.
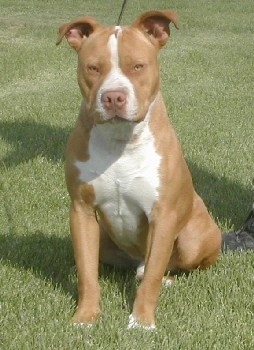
118, 119
121, 119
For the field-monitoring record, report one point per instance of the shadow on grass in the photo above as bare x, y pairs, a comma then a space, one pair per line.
48, 257
29, 140
228, 201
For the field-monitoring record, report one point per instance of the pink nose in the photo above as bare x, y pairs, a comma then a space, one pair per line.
114, 101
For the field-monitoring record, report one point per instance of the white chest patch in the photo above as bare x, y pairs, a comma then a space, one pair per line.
125, 176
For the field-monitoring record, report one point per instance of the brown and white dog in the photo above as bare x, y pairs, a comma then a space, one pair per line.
133, 202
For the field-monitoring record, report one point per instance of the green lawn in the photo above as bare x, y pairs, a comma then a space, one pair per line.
207, 81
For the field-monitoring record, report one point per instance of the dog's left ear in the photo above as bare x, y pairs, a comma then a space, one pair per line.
156, 24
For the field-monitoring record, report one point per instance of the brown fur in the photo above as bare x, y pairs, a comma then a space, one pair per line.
181, 235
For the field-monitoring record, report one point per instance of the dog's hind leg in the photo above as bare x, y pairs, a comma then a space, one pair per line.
198, 244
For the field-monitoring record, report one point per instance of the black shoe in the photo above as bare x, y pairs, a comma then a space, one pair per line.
240, 240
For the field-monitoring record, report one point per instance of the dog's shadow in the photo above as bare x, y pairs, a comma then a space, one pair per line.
50, 256
29, 140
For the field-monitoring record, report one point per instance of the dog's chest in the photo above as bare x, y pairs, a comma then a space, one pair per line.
125, 176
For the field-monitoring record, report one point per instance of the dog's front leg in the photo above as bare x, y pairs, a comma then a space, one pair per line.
85, 237
159, 248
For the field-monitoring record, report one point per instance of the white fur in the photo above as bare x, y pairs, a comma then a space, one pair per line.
167, 282
124, 175
116, 80
133, 323
81, 324
140, 271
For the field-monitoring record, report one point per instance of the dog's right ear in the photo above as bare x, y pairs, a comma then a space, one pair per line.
77, 30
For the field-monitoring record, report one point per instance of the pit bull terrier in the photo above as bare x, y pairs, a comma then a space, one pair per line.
132, 197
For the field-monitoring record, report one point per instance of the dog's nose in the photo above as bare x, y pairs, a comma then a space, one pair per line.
114, 101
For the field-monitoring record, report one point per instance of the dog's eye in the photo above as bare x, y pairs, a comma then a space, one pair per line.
92, 68
138, 67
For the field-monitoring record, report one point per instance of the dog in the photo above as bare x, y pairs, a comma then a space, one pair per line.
132, 197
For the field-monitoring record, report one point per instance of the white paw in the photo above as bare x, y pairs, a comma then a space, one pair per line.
82, 324
167, 282
133, 323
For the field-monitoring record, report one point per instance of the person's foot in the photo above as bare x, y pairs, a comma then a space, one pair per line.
240, 240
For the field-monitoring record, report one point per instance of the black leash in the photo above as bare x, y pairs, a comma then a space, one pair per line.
121, 13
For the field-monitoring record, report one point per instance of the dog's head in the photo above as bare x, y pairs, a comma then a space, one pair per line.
118, 72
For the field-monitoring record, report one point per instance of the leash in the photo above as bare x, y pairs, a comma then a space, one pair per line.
122, 11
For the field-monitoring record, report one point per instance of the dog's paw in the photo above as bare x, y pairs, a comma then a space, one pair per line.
82, 324
83, 317
133, 324
167, 281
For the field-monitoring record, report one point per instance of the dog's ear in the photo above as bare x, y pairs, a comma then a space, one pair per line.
156, 25
77, 30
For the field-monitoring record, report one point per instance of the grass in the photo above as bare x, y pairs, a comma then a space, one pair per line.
207, 81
